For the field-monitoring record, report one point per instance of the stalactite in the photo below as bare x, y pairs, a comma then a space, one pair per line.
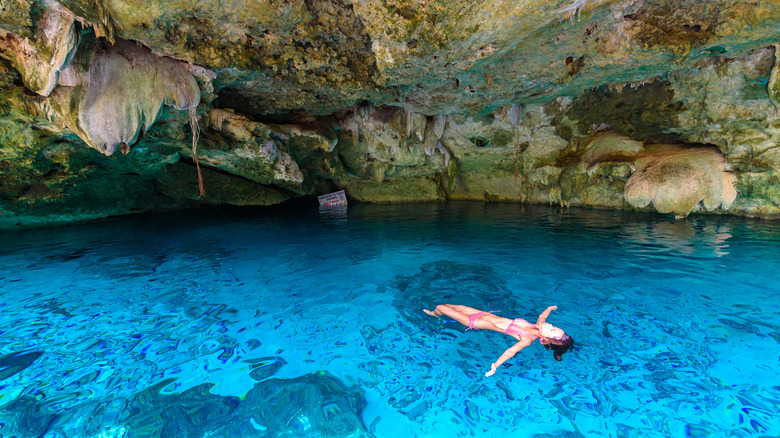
408, 113
439, 124
575, 9
218, 116
365, 111
352, 124
444, 152
194, 128
514, 116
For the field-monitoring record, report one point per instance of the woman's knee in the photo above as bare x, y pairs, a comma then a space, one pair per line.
444, 309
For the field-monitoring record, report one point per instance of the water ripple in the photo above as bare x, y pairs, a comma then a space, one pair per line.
117, 328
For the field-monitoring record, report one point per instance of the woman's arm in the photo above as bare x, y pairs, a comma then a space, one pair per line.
544, 315
508, 354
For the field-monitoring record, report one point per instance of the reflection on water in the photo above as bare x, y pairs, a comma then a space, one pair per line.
307, 322
334, 213
684, 237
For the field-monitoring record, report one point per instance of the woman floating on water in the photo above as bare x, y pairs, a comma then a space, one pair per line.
550, 336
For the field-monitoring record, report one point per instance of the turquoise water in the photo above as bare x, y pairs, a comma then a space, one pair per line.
296, 322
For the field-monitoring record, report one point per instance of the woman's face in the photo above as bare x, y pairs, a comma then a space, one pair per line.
548, 330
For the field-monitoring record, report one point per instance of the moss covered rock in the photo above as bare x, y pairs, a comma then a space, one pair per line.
556, 101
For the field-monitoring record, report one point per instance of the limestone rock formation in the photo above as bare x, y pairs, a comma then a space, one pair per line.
246, 148
611, 147
120, 92
674, 178
677, 179
552, 101
50, 47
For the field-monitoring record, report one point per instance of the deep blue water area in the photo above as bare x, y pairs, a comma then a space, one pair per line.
301, 322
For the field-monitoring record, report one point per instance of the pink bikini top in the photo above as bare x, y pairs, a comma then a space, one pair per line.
514, 328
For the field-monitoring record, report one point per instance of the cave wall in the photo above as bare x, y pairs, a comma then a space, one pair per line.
660, 105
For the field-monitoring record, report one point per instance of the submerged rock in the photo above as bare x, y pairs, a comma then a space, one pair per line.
14, 363
314, 405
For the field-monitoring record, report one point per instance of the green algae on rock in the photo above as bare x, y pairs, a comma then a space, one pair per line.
50, 47
552, 101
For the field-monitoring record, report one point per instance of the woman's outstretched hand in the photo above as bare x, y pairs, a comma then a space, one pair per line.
552, 308
492, 371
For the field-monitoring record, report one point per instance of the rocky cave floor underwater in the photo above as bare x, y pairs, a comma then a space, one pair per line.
298, 322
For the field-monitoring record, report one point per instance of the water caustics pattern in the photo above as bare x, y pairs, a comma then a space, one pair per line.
299, 322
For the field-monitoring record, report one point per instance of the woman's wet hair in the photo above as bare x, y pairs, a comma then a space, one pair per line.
566, 344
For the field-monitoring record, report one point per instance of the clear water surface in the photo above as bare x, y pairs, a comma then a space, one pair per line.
296, 322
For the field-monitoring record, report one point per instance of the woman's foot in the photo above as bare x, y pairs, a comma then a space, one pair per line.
431, 313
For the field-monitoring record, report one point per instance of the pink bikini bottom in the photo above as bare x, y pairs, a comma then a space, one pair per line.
473, 318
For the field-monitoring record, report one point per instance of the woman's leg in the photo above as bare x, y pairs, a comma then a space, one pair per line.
464, 309
454, 311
